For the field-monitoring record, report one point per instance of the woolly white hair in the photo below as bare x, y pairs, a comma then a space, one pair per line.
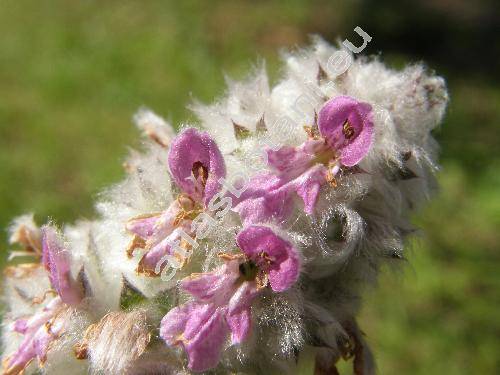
357, 227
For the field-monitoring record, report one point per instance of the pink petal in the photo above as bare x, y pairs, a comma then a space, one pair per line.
286, 274
26, 352
20, 326
43, 316
238, 317
283, 271
291, 162
56, 260
283, 158
41, 342
155, 227
184, 318
143, 225
240, 324
270, 197
205, 348
216, 286
359, 115
38, 319
266, 197
189, 147
200, 329
308, 186
253, 240
167, 246
166, 223
37, 337
173, 324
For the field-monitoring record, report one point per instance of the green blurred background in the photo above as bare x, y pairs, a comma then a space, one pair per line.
73, 73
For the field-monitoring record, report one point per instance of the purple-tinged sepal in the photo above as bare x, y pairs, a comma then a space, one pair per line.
56, 259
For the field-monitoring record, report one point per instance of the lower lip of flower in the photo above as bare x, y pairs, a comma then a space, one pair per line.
347, 130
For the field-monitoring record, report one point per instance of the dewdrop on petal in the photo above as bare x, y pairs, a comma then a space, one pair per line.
271, 221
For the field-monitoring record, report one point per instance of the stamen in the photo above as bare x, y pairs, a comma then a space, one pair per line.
264, 255
200, 172
347, 129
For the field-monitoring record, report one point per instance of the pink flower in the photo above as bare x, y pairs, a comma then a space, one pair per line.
273, 256
46, 325
223, 298
39, 332
342, 138
196, 165
347, 126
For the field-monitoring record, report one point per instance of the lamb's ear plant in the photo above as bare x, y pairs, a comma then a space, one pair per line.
241, 244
